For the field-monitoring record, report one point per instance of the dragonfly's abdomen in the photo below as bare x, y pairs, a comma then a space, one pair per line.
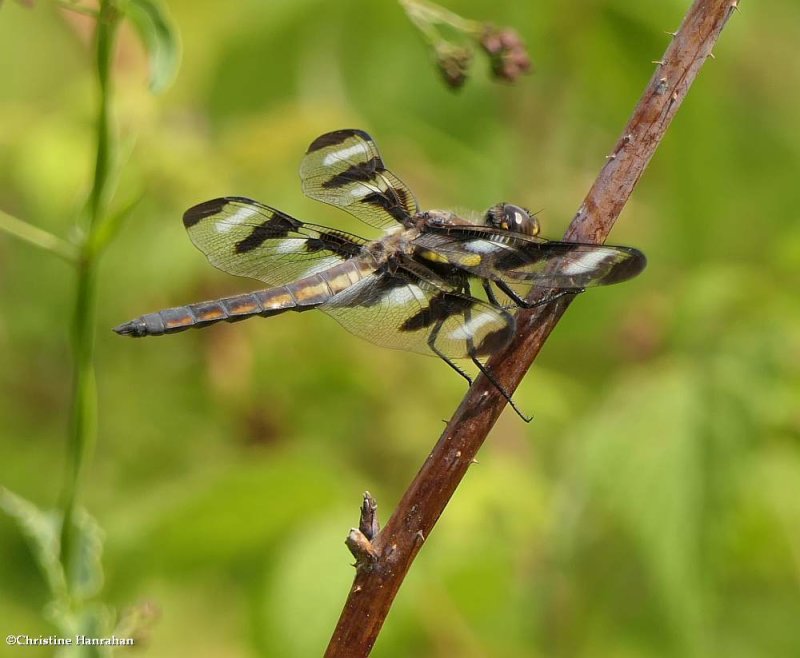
301, 295
202, 314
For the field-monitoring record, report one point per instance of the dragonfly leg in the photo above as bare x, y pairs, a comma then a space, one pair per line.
519, 301
503, 392
487, 287
444, 357
432, 344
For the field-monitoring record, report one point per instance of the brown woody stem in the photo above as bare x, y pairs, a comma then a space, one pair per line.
396, 546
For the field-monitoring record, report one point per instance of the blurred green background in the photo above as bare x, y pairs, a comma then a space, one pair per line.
653, 506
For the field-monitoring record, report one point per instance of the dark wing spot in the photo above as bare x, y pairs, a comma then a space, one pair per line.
203, 210
335, 242
382, 201
363, 171
440, 307
283, 224
314, 245
376, 292
627, 268
256, 238
494, 341
402, 196
336, 137
512, 259
279, 226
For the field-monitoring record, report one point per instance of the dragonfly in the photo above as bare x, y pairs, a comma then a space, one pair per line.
411, 289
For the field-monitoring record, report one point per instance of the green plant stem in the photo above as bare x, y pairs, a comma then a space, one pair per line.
83, 426
106, 32
38, 237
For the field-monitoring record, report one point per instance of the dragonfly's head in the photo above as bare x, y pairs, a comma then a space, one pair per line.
509, 217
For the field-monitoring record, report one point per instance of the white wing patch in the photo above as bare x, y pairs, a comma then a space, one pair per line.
483, 246
239, 217
403, 295
345, 154
360, 191
288, 246
586, 262
472, 327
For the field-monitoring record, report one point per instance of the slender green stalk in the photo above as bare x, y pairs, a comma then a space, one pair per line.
83, 425
38, 237
107, 23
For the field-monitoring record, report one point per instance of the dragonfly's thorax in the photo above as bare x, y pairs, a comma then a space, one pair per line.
395, 243
439, 218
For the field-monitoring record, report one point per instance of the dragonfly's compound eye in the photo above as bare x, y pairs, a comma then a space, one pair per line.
509, 217
528, 225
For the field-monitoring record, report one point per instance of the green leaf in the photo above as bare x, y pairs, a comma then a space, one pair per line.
42, 530
87, 576
160, 39
109, 228
37, 237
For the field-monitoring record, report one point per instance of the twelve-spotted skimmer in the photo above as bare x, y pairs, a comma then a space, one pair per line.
408, 290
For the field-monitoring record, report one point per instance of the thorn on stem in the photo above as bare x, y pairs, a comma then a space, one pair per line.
368, 521
660, 62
